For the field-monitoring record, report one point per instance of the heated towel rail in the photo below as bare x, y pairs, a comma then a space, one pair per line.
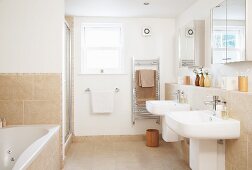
139, 111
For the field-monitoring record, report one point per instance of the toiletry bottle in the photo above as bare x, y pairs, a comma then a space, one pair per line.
4, 123
207, 81
197, 80
201, 81
1, 123
183, 98
224, 112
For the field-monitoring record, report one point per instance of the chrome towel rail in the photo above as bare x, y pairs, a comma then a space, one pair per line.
89, 90
140, 112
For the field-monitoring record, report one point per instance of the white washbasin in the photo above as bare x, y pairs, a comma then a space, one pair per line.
161, 107
202, 125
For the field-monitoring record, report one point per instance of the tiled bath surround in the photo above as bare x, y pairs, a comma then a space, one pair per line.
30, 98
49, 158
238, 152
27, 99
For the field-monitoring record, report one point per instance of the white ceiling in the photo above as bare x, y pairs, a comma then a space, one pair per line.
127, 8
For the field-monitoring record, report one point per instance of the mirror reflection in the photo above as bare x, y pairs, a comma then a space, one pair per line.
192, 44
228, 31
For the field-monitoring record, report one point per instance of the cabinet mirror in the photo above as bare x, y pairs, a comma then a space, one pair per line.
229, 32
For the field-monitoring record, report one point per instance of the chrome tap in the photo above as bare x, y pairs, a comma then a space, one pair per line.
179, 93
214, 103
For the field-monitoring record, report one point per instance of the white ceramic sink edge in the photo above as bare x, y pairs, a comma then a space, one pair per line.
202, 125
162, 107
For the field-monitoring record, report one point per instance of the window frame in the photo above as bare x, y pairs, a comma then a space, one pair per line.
84, 58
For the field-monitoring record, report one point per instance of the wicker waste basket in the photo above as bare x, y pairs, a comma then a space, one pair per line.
152, 137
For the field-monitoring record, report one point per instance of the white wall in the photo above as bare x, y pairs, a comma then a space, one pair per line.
160, 44
201, 10
31, 36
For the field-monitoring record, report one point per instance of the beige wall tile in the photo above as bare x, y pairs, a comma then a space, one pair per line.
5, 93
236, 153
47, 87
249, 152
22, 87
185, 150
6, 84
16, 87
229, 166
12, 111
42, 112
170, 90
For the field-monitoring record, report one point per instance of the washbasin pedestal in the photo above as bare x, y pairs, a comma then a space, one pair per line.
204, 155
204, 130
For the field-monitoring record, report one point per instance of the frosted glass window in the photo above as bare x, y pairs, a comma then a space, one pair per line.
103, 37
103, 58
102, 49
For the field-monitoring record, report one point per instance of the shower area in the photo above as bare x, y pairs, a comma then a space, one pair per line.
67, 117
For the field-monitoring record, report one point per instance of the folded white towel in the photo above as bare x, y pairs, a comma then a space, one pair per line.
102, 101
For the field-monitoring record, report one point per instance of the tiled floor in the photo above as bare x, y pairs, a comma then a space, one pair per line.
123, 155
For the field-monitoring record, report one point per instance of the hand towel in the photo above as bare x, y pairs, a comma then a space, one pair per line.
102, 101
146, 78
143, 94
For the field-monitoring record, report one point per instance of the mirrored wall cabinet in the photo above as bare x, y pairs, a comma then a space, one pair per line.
192, 44
231, 31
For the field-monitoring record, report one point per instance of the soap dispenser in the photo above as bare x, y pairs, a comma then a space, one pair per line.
207, 81
224, 112
182, 98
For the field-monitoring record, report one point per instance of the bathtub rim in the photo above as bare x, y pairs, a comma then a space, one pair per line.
32, 152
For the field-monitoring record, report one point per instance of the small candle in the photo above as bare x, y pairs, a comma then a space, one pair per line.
187, 80
243, 83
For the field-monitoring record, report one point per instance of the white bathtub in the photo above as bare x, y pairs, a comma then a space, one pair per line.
20, 145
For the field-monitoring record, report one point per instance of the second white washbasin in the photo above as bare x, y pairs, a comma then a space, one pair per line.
161, 107
202, 125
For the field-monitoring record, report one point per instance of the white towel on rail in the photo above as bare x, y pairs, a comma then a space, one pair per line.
102, 101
